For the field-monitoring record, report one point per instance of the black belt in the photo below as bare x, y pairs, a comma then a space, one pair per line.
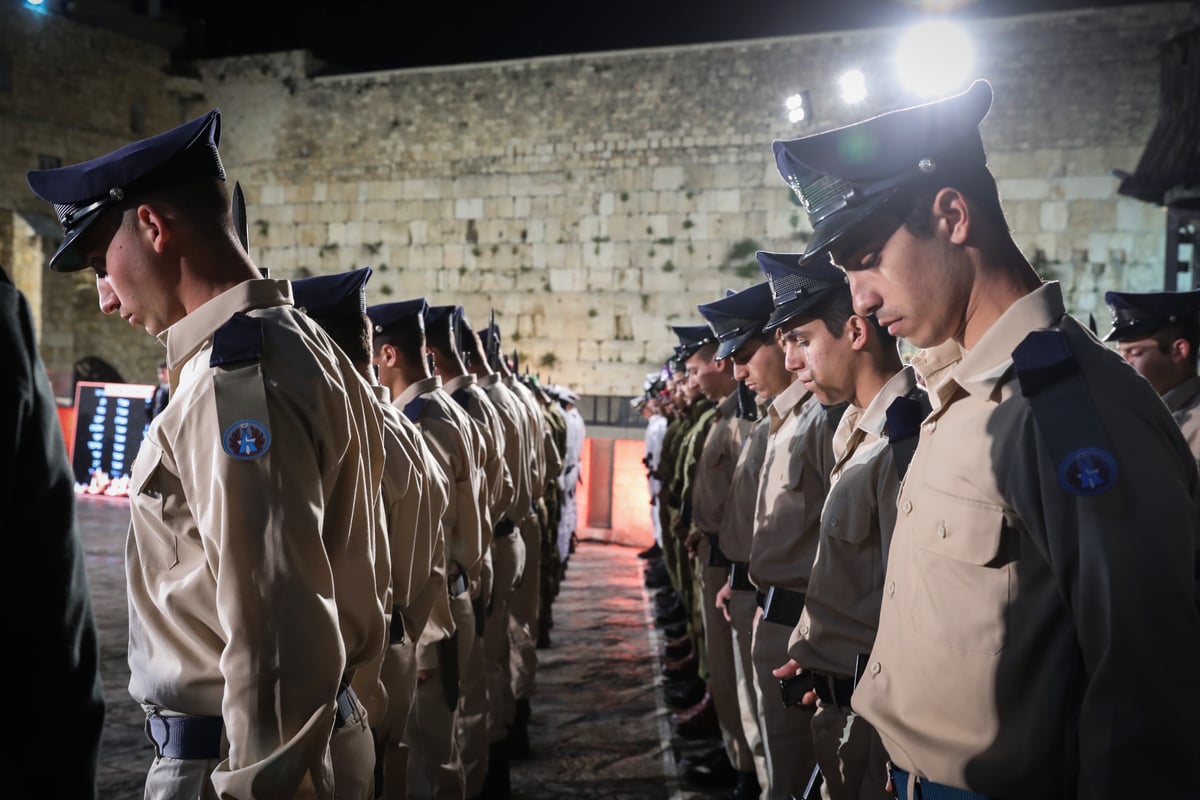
200, 737
782, 606
504, 527
739, 576
457, 584
928, 790
833, 691
715, 557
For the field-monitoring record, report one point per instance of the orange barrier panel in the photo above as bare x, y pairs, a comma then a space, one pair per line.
66, 419
628, 493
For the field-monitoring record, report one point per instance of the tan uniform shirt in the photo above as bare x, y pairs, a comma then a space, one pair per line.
252, 577
841, 610
513, 432
414, 499
1034, 643
456, 446
498, 480
1184, 403
792, 488
714, 470
737, 527
536, 427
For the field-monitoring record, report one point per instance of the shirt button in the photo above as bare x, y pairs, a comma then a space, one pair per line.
804, 630
941, 529
907, 506
892, 587
833, 523
932, 426
875, 668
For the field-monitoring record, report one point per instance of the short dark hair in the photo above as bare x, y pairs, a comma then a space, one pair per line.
1186, 329
351, 332
913, 204
409, 342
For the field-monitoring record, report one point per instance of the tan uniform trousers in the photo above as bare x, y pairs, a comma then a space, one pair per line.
722, 674
435, 769
786, 732
399, 675
352, 749
523, 613
508, 562
742, 609
853, 761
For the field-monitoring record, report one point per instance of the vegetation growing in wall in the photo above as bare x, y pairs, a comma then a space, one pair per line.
263, 226
669, 266
624, 197
548, 360
327, 249
740, 259
373, 248
688, 224
592, 312
385, 289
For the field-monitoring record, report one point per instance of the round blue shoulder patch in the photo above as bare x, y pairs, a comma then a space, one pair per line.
246, 439
1088, 471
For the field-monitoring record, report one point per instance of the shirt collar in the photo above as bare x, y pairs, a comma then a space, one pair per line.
1184, 393
487, 381
189, 334
727, 406
874, 418
984, 366
454, 384
421, 387
788, 401
382, 393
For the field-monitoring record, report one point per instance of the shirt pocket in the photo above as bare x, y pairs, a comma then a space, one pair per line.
851, 549
156, 542
962, 576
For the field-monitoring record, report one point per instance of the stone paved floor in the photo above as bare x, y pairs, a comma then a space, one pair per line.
599, 726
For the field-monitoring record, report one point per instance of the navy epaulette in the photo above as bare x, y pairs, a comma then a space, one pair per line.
904, 418
237, 341
461, 396
413, 408
1065, 415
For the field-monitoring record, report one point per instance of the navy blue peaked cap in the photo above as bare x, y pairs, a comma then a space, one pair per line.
81, 192
843, 175
332, 295
691, 339
798, 283
1140, 315
738, 317
401, 315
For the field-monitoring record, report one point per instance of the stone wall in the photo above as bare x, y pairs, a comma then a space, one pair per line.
594, 200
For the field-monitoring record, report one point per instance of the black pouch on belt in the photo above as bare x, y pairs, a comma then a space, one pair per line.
480, 614
715, 557
448, 656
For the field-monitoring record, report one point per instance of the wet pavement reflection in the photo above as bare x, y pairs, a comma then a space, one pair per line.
598, 728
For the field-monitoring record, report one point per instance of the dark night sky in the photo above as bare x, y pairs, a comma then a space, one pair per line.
383, 34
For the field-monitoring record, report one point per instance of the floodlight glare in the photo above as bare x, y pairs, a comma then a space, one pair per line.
934, 58
797, 107
854, 86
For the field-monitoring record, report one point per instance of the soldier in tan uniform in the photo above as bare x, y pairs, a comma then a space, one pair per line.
1158, 333
251, 561
477, 723
710, 497
545, 464
444, 648
848, 359
415, 499
792, 489
1039, 634
509, 553
738, 321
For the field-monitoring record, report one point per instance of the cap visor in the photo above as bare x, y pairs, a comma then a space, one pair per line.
68, 257
830, 230
731, 346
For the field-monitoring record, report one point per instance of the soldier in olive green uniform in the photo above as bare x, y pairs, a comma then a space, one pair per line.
1039, 626
247, 492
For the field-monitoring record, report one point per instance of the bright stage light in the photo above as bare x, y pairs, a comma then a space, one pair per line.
797, 107
934, 58
854, 87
